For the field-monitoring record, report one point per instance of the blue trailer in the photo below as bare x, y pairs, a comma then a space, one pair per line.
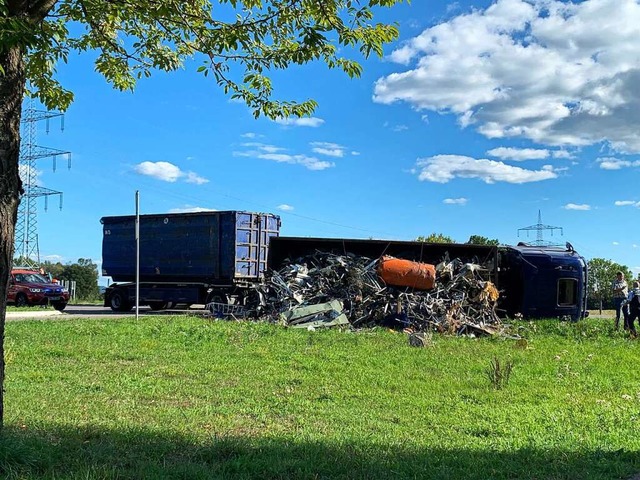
186, 258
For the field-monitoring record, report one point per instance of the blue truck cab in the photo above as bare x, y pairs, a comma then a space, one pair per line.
543, 282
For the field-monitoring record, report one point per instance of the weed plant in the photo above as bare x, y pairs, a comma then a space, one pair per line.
499, 372
186, 398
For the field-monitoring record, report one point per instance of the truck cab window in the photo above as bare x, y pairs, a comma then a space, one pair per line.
567, 291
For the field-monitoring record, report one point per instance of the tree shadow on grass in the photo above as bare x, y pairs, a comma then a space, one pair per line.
94, 453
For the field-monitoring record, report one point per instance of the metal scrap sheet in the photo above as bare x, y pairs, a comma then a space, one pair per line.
347, 287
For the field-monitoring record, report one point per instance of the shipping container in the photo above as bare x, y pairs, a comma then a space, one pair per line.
185, 257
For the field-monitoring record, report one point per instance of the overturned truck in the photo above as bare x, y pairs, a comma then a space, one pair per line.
221, 257
533, 281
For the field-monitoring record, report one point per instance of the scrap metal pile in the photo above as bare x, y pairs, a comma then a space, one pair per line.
324, 289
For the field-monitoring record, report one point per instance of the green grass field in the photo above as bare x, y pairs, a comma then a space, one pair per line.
187, 398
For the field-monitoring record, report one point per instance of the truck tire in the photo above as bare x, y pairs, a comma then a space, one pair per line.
119, 303
217, 296
21, 300
60, 306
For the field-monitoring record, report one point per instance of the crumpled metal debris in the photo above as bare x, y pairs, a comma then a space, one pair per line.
463, 300
327, 314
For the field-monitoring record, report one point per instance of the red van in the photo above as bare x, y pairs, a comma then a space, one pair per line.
28, 287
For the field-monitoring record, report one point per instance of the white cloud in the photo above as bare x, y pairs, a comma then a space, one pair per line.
558, 73
53, 258
626, 203
276, 154
192, 177
612, 163
329, 149
263, 147
455, 201
615, 243
519, 154
312, 163
562, 154
577, 206
285, 208
250, 135
168, 172
444, 168
400, 128
191, 209
300, 122
165, 171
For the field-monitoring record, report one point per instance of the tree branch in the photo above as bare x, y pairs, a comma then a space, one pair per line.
39, 9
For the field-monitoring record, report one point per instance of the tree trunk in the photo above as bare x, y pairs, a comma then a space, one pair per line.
12, 83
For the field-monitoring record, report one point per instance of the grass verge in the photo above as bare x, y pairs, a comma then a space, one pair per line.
181, 397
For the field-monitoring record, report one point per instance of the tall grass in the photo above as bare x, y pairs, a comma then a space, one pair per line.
182, 397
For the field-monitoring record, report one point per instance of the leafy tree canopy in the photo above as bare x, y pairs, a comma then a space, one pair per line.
480, 240
436, 238
84, 272
240, 41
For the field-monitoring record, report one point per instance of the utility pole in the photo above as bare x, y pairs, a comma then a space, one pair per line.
26, 236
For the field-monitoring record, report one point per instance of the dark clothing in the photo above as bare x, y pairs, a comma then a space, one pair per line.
621, 307
633, 315
634, 310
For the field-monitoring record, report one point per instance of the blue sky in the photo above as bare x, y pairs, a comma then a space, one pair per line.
478, 117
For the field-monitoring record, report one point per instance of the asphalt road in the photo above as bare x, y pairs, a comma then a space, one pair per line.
89, 311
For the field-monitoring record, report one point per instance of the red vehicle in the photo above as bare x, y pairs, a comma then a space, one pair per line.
28, 287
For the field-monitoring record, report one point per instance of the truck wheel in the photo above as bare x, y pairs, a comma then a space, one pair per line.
60, 306
217, 296
21, 300
155, 306
119, 303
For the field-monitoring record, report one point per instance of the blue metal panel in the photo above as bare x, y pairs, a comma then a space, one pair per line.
208, 247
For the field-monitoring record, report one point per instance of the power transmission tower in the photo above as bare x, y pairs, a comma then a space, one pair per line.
26, 237
539, 228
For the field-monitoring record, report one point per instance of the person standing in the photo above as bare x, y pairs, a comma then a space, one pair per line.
619, 296
633, 301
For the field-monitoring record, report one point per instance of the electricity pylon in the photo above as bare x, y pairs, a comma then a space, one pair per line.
539, 228
26, 237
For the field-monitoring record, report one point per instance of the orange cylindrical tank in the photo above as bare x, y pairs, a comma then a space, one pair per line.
405, 273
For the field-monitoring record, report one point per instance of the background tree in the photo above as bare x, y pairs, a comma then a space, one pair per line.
480, 240
238, 41
436, 238
85, 273
54, 269
602, 273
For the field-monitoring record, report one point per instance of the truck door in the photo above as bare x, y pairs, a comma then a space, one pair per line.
253, 231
